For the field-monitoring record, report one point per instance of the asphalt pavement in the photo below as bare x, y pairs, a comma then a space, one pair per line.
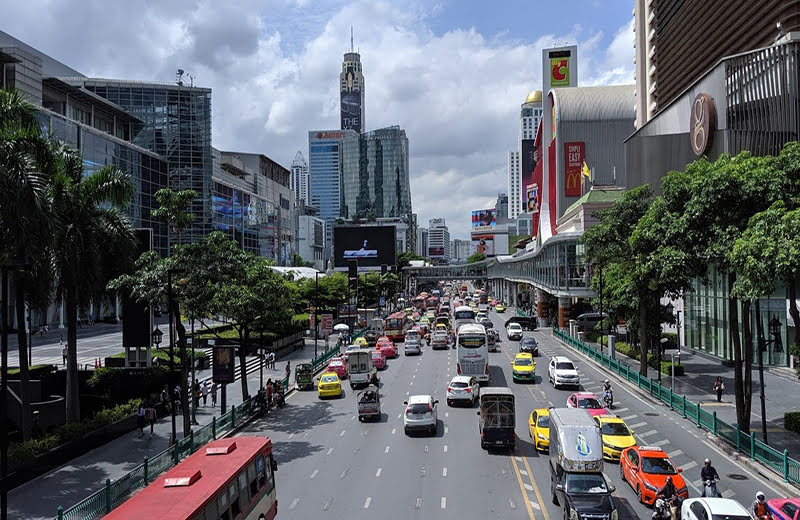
330, 463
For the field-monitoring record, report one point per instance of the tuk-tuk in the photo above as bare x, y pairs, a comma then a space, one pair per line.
304, 376
496, 421
369, 403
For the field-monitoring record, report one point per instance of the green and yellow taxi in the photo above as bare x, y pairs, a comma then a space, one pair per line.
615, 434
500, 307
361, 342
329, 385
523, 368
539, 428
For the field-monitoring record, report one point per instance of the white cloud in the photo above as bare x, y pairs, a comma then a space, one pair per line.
274, 72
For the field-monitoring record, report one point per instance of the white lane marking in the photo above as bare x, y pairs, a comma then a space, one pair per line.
528, 487
378, 473
314, 474
444, 502
693, 486
408, 393
366, 502
330, 450
353, 418
661, 442
522, 471
344, 473
305, 434
689, 465
727, 493
294, 503
394, 430
648, 434
511, 503
411, 383
342, 434
619, 410
535, 505
675, 453
386, 450
638, 425
629, 417
419, 502
445, 429
447, 414
413, 376
519, 459
444, 472
445, 448
400, 415
291, 435
327, 504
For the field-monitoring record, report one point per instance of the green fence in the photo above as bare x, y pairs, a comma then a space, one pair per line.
744, 443
115, 492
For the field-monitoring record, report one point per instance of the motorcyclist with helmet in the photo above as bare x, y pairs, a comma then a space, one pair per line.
608, 394
760, 509
669, 494
708, 474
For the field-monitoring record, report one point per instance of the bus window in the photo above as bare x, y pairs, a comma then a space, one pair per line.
243, 489
222, 506
270, 476
234, 498
262, 480
251, 476
211, 510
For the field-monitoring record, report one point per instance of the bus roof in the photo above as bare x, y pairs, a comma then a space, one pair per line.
398, 315
179, 502
472, 328
464, 308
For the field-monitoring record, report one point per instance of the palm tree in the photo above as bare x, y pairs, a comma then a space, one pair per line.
92, 241
24, 218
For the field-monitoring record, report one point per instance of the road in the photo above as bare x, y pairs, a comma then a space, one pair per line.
330, 462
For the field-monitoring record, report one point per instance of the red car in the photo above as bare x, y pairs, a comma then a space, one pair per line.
646, 469
338, 366
784, 508
378, 359
588, 401
387, 346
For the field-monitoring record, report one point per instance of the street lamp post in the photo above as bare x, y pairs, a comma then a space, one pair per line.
194, 381
316, 316
672, 372
774, 327
4, 387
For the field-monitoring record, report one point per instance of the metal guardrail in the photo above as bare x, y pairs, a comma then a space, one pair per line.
778, 461
115, 492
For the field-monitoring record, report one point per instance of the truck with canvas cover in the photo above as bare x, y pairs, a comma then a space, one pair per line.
576, 466
496, 417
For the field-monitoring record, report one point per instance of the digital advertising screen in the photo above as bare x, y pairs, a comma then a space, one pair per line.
484, 218
527, 163
435, 252
483, 245
351, 111
370, 246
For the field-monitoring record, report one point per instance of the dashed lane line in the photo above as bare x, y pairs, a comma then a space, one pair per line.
660, 443
386, 450
638, 425
444, 472
689, 465
330, 450
342, 433
648, 433
314, 473
536, 489
366, 502
675, 453
444, 502
294, 503
378, 473
522, 487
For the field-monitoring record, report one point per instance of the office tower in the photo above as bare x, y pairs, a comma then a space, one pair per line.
299, 178
514, 184
351, 91
518, 168
438, 240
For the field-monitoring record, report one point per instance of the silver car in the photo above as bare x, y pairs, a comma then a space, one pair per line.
412, 346
421, 414
463, 389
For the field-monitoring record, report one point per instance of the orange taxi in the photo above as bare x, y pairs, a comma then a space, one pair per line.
646, 469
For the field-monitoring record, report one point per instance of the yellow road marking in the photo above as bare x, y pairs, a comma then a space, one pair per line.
522, 488
535, 488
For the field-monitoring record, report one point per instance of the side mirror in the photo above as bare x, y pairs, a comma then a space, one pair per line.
405, 402
680, 470
436, 401
612, 488
559, 487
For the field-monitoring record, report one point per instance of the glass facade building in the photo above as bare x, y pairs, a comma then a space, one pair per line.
375, 179
324, 173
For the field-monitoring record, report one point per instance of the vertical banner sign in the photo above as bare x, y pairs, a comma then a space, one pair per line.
223, 364
326, 322
527, 165
573, 158
559, 69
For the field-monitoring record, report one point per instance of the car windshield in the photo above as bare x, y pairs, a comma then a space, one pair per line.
543, 421
377, 355
523, 362
458, 384
658, 466
514, 326
586, 483
730, 517
589, 403
418, 408
329, 379
614, 428
565, 365
335, 364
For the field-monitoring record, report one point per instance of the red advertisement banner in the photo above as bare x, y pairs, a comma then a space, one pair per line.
573, 164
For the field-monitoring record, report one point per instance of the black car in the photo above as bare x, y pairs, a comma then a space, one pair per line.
529, 345
586, 493
372, 337
526, 322
487, 323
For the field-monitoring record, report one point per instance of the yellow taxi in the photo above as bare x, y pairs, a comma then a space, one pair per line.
500, 307
615, 434
539, 428
523, 368
329, 385
361, 342
409, 311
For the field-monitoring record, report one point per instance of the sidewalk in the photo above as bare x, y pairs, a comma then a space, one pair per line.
76, 480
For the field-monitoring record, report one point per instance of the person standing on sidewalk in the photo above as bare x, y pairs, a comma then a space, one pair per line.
719, 386
288, 369
214, 394
141, 419
151, 416
204, 392
64, 353
272, 360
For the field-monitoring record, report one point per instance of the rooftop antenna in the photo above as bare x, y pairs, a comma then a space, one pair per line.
351, 38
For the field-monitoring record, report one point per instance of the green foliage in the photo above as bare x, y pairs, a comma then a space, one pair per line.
791, 421
672, 340
120, 384
476, 257
172, 208
404, 259
332, 291
298, 261
35, 371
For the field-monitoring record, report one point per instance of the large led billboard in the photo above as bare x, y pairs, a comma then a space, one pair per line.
483, 245
484, 218
435, 252
351, 111
527, 164
370, 246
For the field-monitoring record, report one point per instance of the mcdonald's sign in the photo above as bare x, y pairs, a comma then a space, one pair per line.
574, 155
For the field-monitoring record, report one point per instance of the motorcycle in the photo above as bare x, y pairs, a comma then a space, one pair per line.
260, 403
661, 510
710, 489
608, 399
278, 398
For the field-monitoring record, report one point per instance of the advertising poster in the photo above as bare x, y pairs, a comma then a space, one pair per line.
532, 199
346, 310
351, 111
223, 364
527, 163
369, 246
483, 245
435, 252
484, 218
559, 68
573, 166
326, 323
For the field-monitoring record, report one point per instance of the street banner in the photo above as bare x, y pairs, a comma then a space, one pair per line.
573, 168
326, 320
223, 364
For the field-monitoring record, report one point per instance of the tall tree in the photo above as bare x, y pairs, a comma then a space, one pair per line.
25, 219
91, 242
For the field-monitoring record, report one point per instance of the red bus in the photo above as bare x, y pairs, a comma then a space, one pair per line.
227, 479
396, 325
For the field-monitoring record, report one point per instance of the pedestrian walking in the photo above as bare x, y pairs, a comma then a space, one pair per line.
270, 389
213, 394
288, 369
64, 354
141, 419
150, 414
204, 391
196, 394
272, 360
79, 322
165, 399
719, 386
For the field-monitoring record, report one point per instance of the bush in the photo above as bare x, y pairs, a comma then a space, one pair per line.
791, 421
120, 385
666, 368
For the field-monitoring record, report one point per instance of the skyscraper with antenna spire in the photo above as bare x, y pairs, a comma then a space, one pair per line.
351, 90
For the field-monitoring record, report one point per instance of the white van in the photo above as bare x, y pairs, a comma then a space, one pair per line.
362, 371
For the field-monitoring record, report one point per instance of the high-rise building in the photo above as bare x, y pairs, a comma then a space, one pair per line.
678, 40
514, 184
298, 181
374, 179
351, 91
324, 172
438, 240
311, 236
459, 249
501, 207
421, 246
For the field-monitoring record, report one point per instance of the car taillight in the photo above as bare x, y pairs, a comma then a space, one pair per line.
430, 407
469, 390
449, 389
408, 411
487, 368
458, 368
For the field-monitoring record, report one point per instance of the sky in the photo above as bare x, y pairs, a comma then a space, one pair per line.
452, 73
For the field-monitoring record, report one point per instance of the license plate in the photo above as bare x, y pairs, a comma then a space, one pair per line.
498, 442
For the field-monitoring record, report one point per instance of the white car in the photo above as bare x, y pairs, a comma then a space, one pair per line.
463, 389
421, 414
514, 331
480, 316
707, 508
412, 346
350, 349
561, 372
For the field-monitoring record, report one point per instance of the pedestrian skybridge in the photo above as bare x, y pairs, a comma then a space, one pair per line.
473, 271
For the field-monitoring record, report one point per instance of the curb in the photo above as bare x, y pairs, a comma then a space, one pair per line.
736, 457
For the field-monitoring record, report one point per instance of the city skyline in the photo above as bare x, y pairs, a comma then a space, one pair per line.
273, 81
